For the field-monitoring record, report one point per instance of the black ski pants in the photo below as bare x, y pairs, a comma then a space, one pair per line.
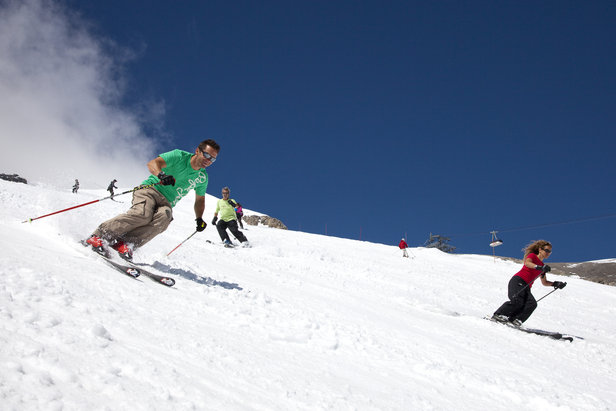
222, 226
521, 302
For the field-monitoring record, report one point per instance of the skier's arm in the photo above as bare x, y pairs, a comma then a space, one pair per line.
529, 263
199, 206
215, 219
545, 281
156, 165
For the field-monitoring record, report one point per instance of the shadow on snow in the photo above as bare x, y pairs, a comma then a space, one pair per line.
210, 282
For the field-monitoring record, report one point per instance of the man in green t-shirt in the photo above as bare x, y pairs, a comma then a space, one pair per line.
228, 219
176, 172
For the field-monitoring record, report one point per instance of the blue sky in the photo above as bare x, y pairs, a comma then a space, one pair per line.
389, 118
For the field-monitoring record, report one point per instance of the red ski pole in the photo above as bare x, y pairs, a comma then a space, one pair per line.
91, 202
178, 246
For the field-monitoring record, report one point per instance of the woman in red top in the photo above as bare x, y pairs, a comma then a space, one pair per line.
521, 302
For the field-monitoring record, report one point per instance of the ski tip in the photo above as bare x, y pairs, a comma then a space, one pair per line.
169, 282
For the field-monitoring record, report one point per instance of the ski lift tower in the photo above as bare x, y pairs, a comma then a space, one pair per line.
495, 243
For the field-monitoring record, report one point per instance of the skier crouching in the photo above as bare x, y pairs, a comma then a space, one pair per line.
177, 172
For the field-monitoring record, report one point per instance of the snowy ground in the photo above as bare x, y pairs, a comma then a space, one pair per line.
298, 322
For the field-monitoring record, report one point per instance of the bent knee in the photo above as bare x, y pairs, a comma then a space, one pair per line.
163, 216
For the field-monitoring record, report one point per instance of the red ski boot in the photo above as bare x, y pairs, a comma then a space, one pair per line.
124, 250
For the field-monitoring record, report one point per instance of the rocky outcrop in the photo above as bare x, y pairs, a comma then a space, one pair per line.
14, 178
264, 220
602, 273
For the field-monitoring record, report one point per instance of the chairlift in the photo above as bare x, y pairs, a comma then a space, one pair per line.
495, 243
495, 240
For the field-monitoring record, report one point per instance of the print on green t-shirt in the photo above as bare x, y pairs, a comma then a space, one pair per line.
186, 178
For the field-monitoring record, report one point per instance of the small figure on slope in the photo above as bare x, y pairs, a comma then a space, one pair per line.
239, 212
111, 186
76, 186
403, 246
228, 219
521, 302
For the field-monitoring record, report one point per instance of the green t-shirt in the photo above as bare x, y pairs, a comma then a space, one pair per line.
186, 178
225, 211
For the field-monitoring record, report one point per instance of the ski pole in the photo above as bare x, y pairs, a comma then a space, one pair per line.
548, 294
91, 202
178, 246
519, 291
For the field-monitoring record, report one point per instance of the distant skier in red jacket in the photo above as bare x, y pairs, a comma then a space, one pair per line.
403, 246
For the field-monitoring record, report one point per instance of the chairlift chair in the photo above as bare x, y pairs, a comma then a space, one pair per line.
495, 240
496, 243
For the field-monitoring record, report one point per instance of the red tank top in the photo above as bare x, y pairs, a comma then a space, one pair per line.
529, 275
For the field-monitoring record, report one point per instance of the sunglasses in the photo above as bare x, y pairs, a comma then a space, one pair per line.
225, 193
208, 157
547, 250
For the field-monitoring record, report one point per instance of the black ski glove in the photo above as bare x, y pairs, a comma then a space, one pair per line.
200, 224
559, 284
165, 179
214, 220
546, 268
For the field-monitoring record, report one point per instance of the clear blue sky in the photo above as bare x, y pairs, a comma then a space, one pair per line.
391, 117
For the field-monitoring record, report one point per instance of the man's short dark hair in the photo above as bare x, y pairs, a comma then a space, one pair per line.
211, 143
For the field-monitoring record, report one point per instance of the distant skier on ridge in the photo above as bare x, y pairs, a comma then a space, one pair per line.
521, 302
111, 186
403, 246
178, 172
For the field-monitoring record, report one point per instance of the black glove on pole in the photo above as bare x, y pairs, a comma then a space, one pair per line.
559, 284
200, 224
165, 179
214, 220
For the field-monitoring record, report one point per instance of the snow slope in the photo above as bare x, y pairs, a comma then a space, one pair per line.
298, 322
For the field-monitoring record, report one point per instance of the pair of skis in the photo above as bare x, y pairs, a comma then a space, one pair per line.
131, 269
551, 334
231, 245
226, 245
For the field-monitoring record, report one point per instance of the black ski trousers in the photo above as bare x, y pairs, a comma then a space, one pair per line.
222, 226
521, 302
